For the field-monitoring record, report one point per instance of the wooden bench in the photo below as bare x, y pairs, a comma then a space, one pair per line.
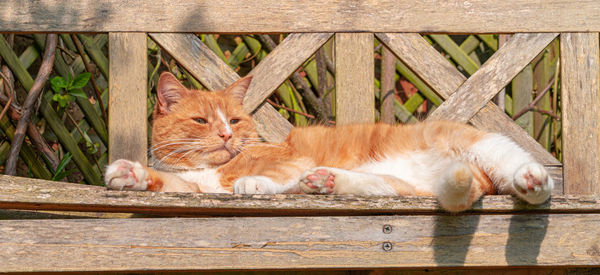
295, 232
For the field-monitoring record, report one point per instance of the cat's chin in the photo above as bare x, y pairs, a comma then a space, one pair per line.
220, 157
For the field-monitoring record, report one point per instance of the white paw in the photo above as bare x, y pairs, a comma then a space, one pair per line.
532, 183
256, 185
126, 175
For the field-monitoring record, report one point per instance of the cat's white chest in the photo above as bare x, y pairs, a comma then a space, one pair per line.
207, 178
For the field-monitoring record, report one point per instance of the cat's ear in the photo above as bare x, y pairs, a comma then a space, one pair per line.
169, 91
238, 89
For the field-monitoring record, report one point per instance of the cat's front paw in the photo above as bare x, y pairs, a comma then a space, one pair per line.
317, 181
256, 185
532, 183
126, 175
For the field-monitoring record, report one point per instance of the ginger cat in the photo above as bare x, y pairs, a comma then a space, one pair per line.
205, 142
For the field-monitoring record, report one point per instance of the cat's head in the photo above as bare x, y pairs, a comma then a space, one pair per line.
195, 129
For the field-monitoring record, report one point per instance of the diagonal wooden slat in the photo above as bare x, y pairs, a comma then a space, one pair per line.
443, 77
215, 74
354, 78
494, 75
280, 64
580, 101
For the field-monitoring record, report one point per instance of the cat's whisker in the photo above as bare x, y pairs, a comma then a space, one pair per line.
153, 149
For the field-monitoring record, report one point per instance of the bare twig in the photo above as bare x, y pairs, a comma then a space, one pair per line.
298, 81
40, 143
28, 105
535, 101
86, 64
294, 111
546, 112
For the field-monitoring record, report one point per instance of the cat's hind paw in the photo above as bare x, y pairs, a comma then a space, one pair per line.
317, 181
126, 175
532, 183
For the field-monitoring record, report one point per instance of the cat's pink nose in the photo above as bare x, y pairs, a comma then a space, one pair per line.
225, 136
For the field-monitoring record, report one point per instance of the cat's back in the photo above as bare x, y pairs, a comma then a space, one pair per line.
350, 145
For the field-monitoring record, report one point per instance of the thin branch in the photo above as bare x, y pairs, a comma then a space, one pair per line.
546, 112
28, 105
534, 102
40, 143
89, 69
298, 81
294, 111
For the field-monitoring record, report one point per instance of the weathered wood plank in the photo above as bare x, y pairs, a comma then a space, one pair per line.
299, 243
127, 123
280, 64
498, 71
580, 87
215, 74
443, 77
239, 16
33, 194
354, 78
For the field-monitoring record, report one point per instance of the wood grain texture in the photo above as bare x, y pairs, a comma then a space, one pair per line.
294, 50
498, 71
239, 16
580, 87
127, 122
443, 77
354, 78
299, 243
34, 194
215, 74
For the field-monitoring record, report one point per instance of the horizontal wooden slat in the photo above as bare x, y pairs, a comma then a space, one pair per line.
299, 243
444, 78
33, 194
300, 16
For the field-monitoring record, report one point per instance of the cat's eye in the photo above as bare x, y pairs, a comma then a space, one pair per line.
200, 120
234, 121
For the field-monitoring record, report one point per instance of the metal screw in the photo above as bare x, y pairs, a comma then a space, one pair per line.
387, 229
387, 246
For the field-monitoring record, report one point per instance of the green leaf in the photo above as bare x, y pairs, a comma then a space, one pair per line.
78, 93
58, 83
59, 175
81, 80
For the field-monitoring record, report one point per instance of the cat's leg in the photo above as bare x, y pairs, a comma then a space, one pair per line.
262, 185
513, 170
328, 180
459, 186
131, 175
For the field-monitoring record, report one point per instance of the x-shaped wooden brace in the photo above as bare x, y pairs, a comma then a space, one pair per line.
467, 100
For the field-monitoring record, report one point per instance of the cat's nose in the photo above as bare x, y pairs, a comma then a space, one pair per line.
225, 136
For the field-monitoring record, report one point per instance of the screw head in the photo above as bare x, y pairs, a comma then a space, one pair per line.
387, 229
387, 246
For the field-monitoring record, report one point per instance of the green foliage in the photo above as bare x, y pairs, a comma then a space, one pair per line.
65, 90
61, 173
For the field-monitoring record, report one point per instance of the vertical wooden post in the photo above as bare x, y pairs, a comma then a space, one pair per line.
127, 123
580, 88
354, 77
